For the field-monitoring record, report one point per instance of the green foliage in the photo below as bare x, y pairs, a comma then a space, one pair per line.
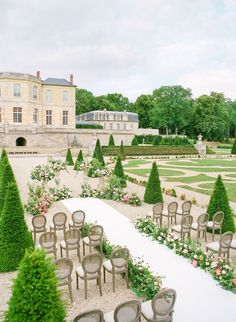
14, 235
69, 158
111, 141
121, 153
85, 101
79, 159
143, 105
149, 150
134, 141
6, 177
35, 296
219, 202
3, 154
119, 172
156, 140
97, 153
89, 126
153, 192
233, 151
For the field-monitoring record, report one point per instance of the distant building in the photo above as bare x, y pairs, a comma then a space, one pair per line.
110, 120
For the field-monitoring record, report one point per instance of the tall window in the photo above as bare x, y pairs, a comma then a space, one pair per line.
35, 92
48, 117
65, 96
49, 95
65, 118
17, 90
17, 114
111, 126
35, 116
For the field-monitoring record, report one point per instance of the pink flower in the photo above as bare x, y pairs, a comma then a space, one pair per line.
234, 281
195, 263
218, 271
126, 198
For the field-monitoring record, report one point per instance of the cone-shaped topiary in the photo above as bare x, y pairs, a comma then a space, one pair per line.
219, 202
3, 154
233, 151
119, 172
69, 158
134, 141
14, 235
111, 140
97, 153
156, 141
6, 176
35, 296
121, 153
79, 159
153, 192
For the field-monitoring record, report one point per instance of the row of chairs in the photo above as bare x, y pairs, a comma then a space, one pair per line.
159, 309
91, 269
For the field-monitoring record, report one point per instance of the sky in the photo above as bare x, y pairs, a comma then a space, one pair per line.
126, 46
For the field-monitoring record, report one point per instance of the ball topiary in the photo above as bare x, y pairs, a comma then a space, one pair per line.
69, 158
153, 193
35, 296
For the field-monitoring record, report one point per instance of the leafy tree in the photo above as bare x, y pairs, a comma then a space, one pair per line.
35, 296
79, 159
14, 235
153, 192
111, 140
69, 158
119, 172
102, 103
134, 141
122, 152
118, 101
6, 176
233, 150
97, 153
172, 108
219, 202
143, 106
85, 101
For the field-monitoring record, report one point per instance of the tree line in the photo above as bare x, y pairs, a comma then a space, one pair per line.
172, 109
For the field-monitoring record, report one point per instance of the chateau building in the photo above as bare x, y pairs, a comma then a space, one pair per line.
110, 120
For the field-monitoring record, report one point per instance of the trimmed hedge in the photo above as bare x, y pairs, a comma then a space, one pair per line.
6, 176
233, 150
149, 150
98, 153
69, 158
163, 140
111, 141
134, 141
89, 126
119, 172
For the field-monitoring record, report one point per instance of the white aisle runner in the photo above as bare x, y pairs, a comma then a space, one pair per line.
199, 298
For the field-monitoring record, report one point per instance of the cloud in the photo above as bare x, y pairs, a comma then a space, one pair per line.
128, 46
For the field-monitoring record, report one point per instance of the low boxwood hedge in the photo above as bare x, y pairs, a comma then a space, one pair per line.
89, 126
149, 150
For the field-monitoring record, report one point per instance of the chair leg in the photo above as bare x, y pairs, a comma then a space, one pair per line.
104, 275
77, 280
34, 237
55, 253
168, 221
85, 288
67, 252
78, 253
100, 286
127, 279
61, 250
198, 235
83, 248
113, 282
70, 291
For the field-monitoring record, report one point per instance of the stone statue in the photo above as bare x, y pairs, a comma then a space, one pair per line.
200, 146
91, 146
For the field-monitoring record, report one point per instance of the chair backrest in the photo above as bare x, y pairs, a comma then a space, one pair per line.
92, 263
48, 239
128, 312
78, 217
225, 241
39, 221
157, 209
72, 236
186, 208
163, 303
90, 316
202, 220
59, 219
172, 207
96, 233
64, 267
218, 217
186, 222
119, 258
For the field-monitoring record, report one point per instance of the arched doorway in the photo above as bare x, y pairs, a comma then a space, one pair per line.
21, 142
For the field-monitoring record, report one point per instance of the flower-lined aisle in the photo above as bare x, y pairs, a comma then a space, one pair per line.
220, 269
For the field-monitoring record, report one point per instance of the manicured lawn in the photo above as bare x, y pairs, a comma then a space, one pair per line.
135, 163
210, 169
207, 162
192, 179
162, 172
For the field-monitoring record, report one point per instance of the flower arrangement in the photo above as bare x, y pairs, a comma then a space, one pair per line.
42, 173
83, 166
39, 200
56, 165
96, 169
219, 269
60, 193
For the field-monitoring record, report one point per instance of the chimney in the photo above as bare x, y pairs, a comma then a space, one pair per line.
71, 79
38, 74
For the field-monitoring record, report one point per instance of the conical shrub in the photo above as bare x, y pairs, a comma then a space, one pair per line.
119, 172
69, 158
3, 154
97, 154
6, 176
14, 235
156, 141
134, 141
219, 202
153, 192
111, 141
79, 159
233, 151
122, 152
35, 296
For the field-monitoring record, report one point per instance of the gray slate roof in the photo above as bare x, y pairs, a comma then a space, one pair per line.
57, 81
